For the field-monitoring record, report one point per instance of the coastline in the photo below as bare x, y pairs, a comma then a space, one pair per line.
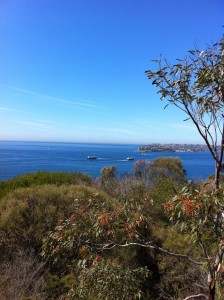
157, 147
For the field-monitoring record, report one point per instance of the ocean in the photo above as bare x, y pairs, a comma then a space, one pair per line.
17, 158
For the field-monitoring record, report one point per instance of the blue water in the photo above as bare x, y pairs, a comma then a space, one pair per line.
17, 158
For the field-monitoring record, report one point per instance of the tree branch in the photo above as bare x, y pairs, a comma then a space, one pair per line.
196, 296
150, 245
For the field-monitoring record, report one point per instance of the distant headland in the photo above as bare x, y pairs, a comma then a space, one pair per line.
173, 148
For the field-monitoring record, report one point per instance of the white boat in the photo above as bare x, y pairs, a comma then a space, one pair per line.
91, 157
130, 158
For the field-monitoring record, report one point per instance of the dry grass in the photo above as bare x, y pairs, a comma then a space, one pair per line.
22, 278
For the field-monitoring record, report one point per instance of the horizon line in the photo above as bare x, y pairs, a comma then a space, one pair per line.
101, 143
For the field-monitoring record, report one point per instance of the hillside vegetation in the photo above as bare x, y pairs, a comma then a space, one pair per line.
68, 236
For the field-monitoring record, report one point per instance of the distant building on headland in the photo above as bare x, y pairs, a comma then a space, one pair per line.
173, 148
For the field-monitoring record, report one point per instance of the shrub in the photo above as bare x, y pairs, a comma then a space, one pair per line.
160, 169
42, 178
108, 173
178, 278
27, 214
22, 277
109, 281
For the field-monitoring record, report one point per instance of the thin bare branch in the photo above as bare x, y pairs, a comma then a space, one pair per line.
150, 245
196, 296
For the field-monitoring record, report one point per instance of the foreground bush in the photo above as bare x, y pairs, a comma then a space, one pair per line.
98, 242
109, 281
27, 214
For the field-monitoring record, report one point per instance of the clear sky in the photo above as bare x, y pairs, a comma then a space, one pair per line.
73, 70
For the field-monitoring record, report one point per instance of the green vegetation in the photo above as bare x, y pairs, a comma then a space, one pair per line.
40, 178
75, 231
27, 214
195, 86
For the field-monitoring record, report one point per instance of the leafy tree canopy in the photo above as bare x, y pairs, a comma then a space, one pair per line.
195, 85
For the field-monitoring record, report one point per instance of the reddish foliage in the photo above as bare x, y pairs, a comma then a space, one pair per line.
128, 228
117, 211
168, 206
188, 207
56, 250
103, 220
96, 260
72, 218
59, 234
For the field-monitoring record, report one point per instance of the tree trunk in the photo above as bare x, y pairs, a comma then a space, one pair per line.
212, 275
217, 174
211, 292
218, 164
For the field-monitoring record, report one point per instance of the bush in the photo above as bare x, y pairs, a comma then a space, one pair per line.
42, 178
27, 214
108, 173
22, 277
160, 169
178, 277
160, 194
109, 281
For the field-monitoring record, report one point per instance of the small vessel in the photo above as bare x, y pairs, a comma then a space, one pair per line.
130, 158
91, 157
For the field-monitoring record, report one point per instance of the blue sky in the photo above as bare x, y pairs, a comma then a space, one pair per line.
73, 70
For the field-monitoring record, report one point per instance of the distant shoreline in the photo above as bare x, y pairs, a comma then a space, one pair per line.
156, 147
